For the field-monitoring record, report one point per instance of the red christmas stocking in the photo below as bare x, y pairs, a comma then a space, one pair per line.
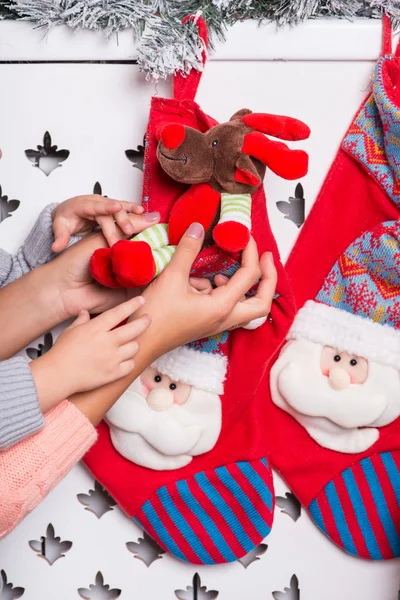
212, 502
333, 423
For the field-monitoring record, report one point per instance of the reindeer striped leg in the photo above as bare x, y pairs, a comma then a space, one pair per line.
137, 261
232, 233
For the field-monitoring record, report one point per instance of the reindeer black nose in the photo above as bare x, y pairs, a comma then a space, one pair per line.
172, 135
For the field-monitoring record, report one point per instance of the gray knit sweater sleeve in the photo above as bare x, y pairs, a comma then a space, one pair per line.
20, 414
35, 251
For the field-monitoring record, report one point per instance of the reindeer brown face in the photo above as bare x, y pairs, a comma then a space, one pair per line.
232, 157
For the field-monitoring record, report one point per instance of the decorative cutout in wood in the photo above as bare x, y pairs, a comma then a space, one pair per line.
42, 348
7, 590
97, 190
290, 505
137, 156
196, 591
49, 547
290, 593
99, 591
294, 210
47, 157
253, 555
146, 549
97, 501
7, 206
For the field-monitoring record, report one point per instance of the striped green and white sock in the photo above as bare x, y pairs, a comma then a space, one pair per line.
236, 207
162, 257
157, 238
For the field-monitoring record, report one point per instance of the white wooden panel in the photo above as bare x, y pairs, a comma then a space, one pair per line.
97, 112
312, 40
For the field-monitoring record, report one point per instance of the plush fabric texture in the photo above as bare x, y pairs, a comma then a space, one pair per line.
230, 158
201, 368
353, 199
242, 438
31, 469
347, 332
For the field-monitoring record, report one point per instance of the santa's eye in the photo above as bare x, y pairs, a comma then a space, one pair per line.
214, 143
353, 362
337, 358
172, 386
157, 378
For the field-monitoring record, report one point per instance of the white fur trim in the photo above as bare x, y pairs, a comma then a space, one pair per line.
203, 370
356, 335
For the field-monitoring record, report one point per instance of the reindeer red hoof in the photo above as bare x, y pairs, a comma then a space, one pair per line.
133, 263
231, 236
101, 268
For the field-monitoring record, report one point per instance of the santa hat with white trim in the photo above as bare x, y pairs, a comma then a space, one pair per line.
358, 307
202, 364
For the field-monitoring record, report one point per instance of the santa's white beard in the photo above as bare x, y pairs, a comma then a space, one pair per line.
333, 417
165, 439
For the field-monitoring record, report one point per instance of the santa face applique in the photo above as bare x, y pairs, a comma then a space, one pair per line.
339, 398
161, 423
339, 373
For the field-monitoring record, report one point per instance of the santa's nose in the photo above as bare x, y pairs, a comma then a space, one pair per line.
160, 399
339, 379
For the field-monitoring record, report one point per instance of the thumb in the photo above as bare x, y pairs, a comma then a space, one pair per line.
61, 235
81, 319
187, 249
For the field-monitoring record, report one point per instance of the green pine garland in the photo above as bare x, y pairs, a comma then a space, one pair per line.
165, 45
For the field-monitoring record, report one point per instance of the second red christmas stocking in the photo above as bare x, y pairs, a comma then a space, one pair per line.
333, 421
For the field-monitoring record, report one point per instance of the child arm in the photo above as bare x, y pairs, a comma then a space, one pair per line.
32, 468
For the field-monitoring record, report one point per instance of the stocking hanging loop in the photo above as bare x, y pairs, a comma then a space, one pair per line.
185, 88
386, 35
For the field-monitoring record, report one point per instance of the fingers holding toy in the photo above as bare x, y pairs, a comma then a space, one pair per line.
81, 215
252, 312
122, 225
183, 308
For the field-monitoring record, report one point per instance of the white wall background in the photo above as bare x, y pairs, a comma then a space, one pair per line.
318, 72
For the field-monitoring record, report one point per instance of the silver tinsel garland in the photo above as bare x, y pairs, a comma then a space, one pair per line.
165, 45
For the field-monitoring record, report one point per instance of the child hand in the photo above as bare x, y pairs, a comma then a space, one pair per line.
89, 354
82, 214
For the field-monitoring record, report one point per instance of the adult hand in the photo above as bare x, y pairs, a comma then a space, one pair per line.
181, 314
82, 214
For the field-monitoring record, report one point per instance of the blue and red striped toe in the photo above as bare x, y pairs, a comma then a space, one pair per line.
216, 516
359, 510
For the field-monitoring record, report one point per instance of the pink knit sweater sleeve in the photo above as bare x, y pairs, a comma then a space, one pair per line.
31, 469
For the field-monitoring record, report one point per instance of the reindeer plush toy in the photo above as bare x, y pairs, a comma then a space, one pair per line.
224, 167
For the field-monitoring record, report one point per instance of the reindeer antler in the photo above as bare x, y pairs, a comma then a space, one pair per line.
282, 160
285, 128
